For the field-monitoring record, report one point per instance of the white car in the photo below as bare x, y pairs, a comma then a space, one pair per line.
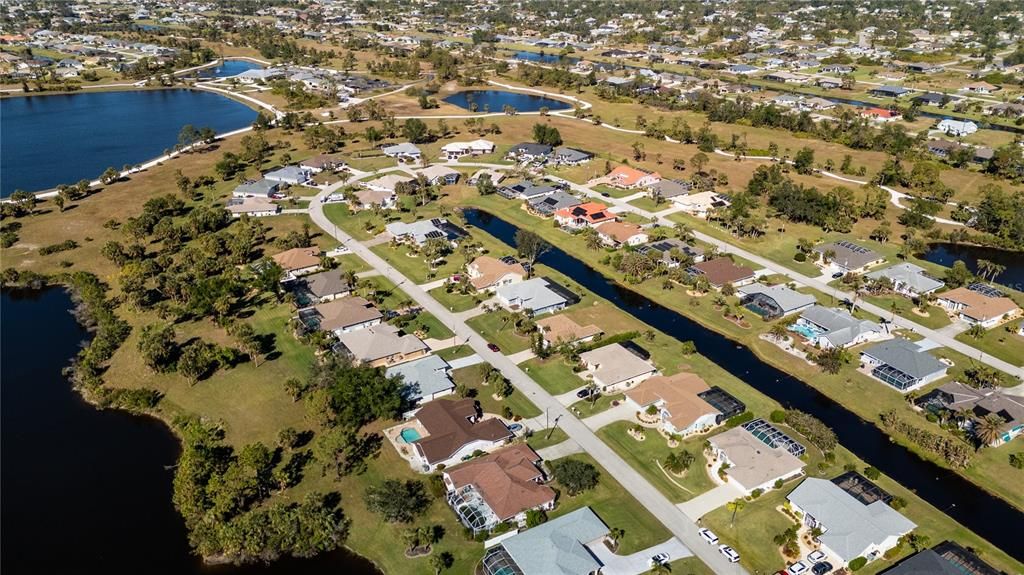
729, 553
815, 556
659, 559
708, 536
797, 568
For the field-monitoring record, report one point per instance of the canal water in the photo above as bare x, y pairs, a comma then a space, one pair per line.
946, 254
227, 69
88, 491
986, 515
63, 138
495, 100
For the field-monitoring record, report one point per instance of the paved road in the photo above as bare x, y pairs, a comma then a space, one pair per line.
648, 496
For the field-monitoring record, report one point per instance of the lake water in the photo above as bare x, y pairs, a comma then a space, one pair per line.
495, 101
946, 254
63, 138
544, 58
986, 515
88, 491
228, 68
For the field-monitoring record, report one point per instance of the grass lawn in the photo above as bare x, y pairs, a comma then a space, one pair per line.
689, 566
613, 192
414, 265
646, 203
751, 534
453, 300
935, 319
617, 508
585, 408
382, 292
354, 224
1001, 341
540, 439
553, 374
352, 262
473, 376
495, 328
645, 456
455, 352
427, 326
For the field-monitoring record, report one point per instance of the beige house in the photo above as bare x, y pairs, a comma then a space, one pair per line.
382, 345
561, 329
752, 463
347, 314
487, 273
614, 368
298, 261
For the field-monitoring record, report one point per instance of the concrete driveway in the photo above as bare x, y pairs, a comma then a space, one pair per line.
709, 501
621, 412
638, 562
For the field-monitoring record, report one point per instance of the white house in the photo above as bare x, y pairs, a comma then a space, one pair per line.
754, 464
614, 368
957, 128
456, 150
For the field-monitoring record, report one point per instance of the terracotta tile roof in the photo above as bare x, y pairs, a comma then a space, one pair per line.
592, 212
620, 231
979, 307
721, 271
298, 258
627, 176
449, 427
506, 480
679, 394
562, 328
486, 271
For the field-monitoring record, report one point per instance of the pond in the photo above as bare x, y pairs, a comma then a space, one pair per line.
946, 254
495, 101
543, 57
227, 69
89, 491
987, 515
63, 138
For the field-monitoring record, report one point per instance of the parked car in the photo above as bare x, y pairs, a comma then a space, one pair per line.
515, 428
587, 392
708, 536
729, 553
815, 556
494, 348
821, 568
659, 559
837, 275
797, 568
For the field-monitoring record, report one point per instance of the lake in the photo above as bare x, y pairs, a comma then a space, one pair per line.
88, 491
227, 69
987, 515
63, 138
543, 57
495, 100
946, 254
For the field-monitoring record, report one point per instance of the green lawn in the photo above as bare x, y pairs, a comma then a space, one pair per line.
644, 456
1001, 341
585, 408
352, 262
427, 326
935, 319
383, 292
453, 300
617, 508
689, 566
553, 374
495, 328
354, 224
414, 265
613, 192
473, 376
751, 534
540, 439
455, 352
646, 203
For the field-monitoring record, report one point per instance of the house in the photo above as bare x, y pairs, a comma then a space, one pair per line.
816, 103
957, 128
561, 329
320, 287
629, 178
538, 295
932, 99
256, 189
955, 397
570, 156
701, 203
671, 252
828, 83
754, 463
615, 368
979, 88
923, 67
291, 175
837, 69
977, 308
677, 399
423, 380
669, 189
585, 215
456, 150
495, 176
784, 77
851, 528
742, 69
1008, 109
549, 204
488, 274
388, 182
908, 279
369, 198
560, 546
381, 345
881, 114
259, 75
829, 327
902, 364
455, 429
615, 234
888, 91
321, 162
526, 191
403, 151
417, 233
848, 257
771, 302
947, 558
298, 261
529, 152
942, 148
252, 207
344, 315
499, 487
721, 271
439, 175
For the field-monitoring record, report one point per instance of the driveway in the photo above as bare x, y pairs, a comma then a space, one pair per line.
621, 412
568, 398
521, 356
466, 361
638, 562
559, 450
709, 501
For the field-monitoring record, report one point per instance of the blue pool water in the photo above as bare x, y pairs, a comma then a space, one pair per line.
410, 435
495, 101
804, 331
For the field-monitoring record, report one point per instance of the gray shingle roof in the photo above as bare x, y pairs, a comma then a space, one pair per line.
905, 356
787, 299
926, 562
909, 275
558, 547
423, 377
534, 294
550, 203
840, 327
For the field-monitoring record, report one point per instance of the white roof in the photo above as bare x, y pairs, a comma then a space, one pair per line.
616, 364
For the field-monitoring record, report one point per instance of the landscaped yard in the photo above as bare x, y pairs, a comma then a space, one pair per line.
904, 307
453, 300
752, 532
495, 328
540, 438
473, 378
1001, 341
585, 407
427, 326
553, 374
646, 203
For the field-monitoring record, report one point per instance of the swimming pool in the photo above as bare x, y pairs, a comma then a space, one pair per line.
804, 331
409, 435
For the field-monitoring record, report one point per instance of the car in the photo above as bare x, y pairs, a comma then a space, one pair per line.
797, 568
837, 275
494, 347
659, 559
729, 553
708, 536
815, 556
515, 428
586, 392
605, 195
821, 568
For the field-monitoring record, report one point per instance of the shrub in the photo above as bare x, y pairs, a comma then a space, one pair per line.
756, 493
739, 419
576, 476
778, 484
858, 564
872, 473
800, 257
1017, 460
778, 416
813, 429
897, 503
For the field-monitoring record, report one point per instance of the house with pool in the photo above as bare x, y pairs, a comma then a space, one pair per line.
829, 328
447, 431
677, 401
902, 364
615, 368
956, 397
775, 301
562, 546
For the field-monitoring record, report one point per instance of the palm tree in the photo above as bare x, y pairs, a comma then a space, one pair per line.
778, 331
988, 429
985, 268
616, 534
736, 505
660, 569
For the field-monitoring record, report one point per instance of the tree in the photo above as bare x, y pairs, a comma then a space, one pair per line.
778, 331
544, 134
530, 247
197, 360
341, 450
398, 501
248, 340
576, 476
803, 163
989, 429
158, 348
958, 274
441, 561
698, 161
109, 176
415, 130
735, 506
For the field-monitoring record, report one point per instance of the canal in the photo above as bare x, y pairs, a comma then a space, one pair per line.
985, 514
945, 254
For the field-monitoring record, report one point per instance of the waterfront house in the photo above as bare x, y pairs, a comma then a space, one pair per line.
439, 175
417, 233
585, 215
381, 345
756, 462
561, 546
830, 327
537, 295
423, 380
671, 252
851, 528
529, 152
721, 271
946, 558
784, 77
298, 261
560, 329
888, 91
499, 487
615, 234
456, 429
526, 190
955, 397
908, 279
291, 175
456, 150
902, 364
881, 114
614, 368
978, 306
343, 315
775, 301
848, 257
957, 128
252, 207
403, 151
980, 88
680, 408
495, 176
547, 205
488, 274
